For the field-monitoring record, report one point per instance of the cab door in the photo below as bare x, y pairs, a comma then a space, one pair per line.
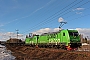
64, 37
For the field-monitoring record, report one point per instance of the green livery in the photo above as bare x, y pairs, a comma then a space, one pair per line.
61, 38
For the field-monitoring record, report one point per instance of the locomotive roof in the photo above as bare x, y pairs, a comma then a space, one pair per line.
72, 30
58, 32
50, 33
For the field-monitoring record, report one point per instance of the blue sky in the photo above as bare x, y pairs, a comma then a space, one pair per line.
33, 15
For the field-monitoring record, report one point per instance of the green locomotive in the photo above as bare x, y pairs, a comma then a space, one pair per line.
66, 39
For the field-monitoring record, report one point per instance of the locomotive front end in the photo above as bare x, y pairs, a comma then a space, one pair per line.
75, 41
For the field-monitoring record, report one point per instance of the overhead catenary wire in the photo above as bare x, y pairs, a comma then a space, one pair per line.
65, 13
57, 15
52, 15
43, 22
78, 6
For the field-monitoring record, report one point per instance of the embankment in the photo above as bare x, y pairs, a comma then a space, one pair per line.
30, 53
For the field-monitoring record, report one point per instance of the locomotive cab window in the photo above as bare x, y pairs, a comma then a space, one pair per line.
73, 33
63, 34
